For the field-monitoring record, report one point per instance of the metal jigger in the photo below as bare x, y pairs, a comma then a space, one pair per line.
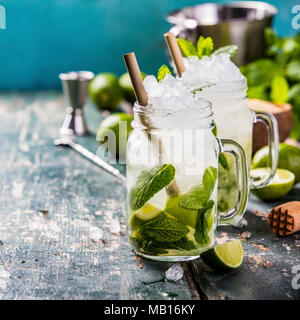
75, 86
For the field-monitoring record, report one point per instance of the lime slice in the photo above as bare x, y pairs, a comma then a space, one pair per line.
228, 255
281, 184
146, 213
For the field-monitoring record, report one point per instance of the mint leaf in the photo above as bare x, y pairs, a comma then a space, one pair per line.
223, 161
215, 131
209, 180
231, 50
164, 229
201, 233
184, 244
187, 47
205, 46
279, 90
293, 70
162, 72
149, 182
294, 92
261, 72
198, 196
258, 92
194, 199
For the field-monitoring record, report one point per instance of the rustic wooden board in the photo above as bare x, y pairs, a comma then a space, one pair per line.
53, 258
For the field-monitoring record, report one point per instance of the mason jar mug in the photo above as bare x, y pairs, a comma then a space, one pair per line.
234, 120
172, 182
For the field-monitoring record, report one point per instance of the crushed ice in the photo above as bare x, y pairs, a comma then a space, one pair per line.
209, 70
174, 273
115, 226
95, 234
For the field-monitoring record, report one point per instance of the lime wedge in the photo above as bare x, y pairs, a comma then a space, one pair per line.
186, 216
228, 255
146, 213
281, 184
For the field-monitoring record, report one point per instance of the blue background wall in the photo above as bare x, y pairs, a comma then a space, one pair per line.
45, 37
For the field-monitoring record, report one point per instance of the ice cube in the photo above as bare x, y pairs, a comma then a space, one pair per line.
95, 233
115, 226
151, 85
240, 224
175, 272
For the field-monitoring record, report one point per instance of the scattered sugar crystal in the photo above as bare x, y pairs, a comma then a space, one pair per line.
95, 233
175, 272
115, 226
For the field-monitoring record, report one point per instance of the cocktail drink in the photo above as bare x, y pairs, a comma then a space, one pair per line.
218, 80
172, 173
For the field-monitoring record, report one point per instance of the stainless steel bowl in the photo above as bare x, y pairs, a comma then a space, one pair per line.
241, 23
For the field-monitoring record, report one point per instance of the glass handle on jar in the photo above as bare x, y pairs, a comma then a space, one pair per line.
235, 214
273, 144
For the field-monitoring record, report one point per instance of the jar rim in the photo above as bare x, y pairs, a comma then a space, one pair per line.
230, 86
206, 107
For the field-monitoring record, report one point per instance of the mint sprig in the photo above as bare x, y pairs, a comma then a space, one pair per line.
205, 46
162, 72
149, 182
231, 50
187, 47
164, 229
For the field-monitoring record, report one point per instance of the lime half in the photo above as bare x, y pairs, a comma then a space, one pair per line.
289, 159
281, 184
228, 255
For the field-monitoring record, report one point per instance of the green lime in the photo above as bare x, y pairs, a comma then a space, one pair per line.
289, 159
228, 255
185, 216
126, 85
145, 214
281, 184
113, 123
105, 91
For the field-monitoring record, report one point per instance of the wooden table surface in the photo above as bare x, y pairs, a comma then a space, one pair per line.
50, 256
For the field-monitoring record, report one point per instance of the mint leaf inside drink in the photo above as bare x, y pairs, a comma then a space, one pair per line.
149, 182
164, 229
202, 226
162, 72
223, 161
198, 196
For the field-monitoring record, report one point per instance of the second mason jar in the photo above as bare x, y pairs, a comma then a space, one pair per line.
234, 120
172, 182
